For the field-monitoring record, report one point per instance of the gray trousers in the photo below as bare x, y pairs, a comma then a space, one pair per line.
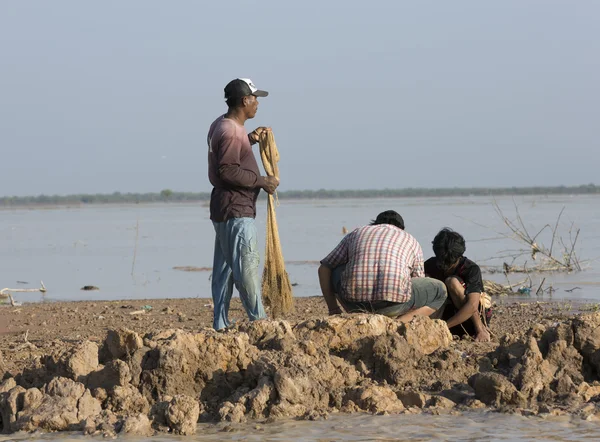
426, 292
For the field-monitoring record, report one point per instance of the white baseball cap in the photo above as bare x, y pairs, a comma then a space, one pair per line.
242, 87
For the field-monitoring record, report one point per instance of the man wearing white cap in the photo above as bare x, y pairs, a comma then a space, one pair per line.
234, 174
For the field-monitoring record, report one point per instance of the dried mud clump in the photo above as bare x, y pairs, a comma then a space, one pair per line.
168, 381
549, 367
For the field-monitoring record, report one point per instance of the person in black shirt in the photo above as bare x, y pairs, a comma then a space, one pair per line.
465, 314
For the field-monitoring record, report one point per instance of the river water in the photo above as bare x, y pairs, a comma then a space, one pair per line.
483, 426
69, 248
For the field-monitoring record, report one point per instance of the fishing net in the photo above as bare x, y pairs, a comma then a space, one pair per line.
276, 287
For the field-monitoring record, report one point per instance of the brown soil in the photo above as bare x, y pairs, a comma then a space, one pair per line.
121, 366
47, 325
50, 324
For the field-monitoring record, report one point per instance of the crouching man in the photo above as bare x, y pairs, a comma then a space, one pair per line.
379, 269
468, 310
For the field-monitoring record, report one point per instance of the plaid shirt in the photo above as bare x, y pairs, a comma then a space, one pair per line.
380, 262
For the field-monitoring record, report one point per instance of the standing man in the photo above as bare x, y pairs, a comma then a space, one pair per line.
234, 174
379, 269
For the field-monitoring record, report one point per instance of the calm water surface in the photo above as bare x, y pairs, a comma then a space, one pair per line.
468, 427
68, 248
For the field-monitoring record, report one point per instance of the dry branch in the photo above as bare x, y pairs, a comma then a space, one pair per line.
549, 261
7, 292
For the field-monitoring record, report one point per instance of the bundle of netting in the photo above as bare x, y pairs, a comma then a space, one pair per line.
276, 287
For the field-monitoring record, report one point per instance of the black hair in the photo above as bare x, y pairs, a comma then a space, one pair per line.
234, 102
389, 217
448, 247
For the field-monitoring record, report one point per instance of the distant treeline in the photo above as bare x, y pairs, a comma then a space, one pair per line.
168, 195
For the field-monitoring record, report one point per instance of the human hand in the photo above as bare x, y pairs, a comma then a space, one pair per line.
270, 185
257, 133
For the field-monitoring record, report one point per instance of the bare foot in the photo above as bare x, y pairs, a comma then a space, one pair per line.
482, 336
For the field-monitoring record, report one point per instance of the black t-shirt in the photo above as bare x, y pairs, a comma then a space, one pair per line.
467, 270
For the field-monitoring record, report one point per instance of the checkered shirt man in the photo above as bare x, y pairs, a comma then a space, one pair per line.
380, 262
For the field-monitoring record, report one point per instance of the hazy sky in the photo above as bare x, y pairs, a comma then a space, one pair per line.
118, 95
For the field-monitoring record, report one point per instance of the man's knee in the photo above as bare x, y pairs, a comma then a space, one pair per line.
435, 293
451, 281
455, 286
440, 295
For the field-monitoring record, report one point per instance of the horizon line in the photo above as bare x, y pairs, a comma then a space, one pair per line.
170, 192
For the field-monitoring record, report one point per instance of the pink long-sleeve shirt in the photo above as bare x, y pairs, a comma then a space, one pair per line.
233, 171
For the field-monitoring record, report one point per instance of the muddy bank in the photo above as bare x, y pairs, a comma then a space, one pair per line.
543, 360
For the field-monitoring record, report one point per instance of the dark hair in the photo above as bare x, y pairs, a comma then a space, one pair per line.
234, 102
389, 217
448, 247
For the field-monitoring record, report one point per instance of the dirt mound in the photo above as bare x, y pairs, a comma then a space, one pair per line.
121, 344
555, 365
169, 380
207, 363
62, 406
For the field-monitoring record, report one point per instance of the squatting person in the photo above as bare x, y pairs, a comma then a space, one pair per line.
378, 268
468, 309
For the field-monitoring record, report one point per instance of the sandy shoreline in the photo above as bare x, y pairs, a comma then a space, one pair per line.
48, 324
141, 367
71, 321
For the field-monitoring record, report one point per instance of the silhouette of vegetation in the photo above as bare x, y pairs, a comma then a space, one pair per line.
182, 197
166, 194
